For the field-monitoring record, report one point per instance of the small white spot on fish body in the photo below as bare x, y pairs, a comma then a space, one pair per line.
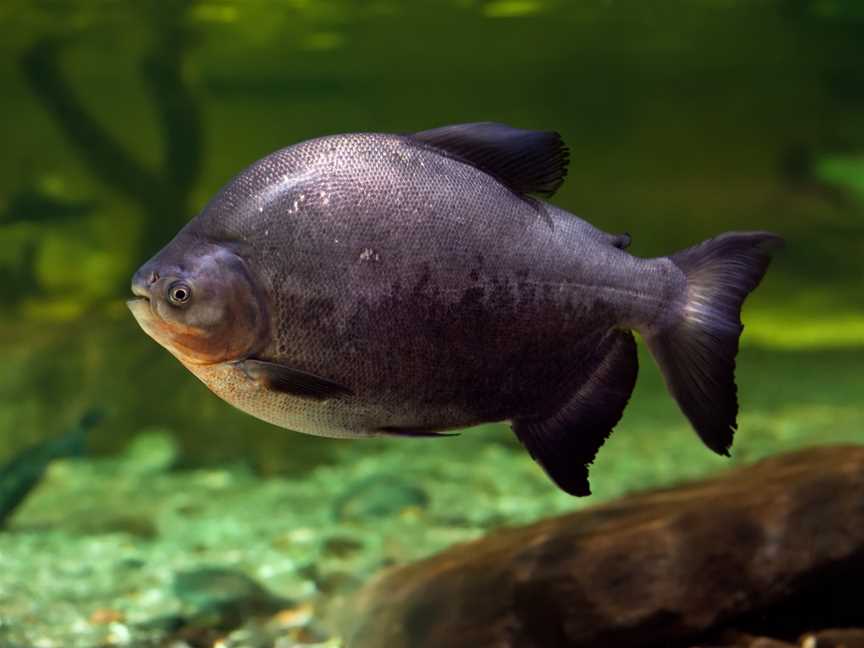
368, 254
286, 181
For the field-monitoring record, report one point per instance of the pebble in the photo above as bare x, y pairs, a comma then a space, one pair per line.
293, 617
104, 616
152, 451
379, 496
223, 597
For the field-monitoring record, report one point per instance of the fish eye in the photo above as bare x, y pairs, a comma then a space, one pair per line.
179, 293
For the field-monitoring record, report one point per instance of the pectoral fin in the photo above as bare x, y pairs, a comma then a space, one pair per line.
280, 378
566, 441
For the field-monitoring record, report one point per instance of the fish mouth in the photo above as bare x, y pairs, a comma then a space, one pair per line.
142, 311
134, 301
142, 282
140, 292
140, 307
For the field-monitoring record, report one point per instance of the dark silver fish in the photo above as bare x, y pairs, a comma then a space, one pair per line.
23, 472
369, 284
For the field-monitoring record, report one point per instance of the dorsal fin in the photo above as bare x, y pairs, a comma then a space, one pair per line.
528, 162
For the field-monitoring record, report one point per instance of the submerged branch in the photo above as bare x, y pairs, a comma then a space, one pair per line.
105, 157
177, 110
163, 193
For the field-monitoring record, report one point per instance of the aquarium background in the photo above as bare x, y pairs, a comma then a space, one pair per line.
119, 121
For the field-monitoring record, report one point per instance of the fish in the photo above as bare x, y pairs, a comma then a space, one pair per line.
375, 284
21, 474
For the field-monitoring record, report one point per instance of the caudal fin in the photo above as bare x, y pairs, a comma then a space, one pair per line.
697, 353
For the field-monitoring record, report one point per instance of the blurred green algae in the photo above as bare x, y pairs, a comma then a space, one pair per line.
128, 117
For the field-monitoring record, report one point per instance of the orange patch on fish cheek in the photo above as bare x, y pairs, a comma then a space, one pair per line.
198, 346
187, 342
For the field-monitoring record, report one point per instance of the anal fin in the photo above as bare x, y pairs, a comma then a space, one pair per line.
566, 441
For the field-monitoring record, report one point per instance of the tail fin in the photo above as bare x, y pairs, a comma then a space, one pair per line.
697, 353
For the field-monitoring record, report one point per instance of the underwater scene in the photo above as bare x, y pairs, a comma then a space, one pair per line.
485, 338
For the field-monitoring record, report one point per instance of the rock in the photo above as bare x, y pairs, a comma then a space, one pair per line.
341, 546
752, 642
735, 639
658, 568
378, 496
139, 525
842, 638
224, 598
151, 451
105, 616
765, 642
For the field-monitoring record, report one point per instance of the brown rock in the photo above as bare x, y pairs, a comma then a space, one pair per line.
765, 642
736, 639
841, 638
755, 642
104, 616
659, 568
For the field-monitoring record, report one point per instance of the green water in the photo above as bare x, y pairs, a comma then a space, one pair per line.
684, 119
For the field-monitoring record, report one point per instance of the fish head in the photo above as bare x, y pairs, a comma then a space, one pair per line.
199, 300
